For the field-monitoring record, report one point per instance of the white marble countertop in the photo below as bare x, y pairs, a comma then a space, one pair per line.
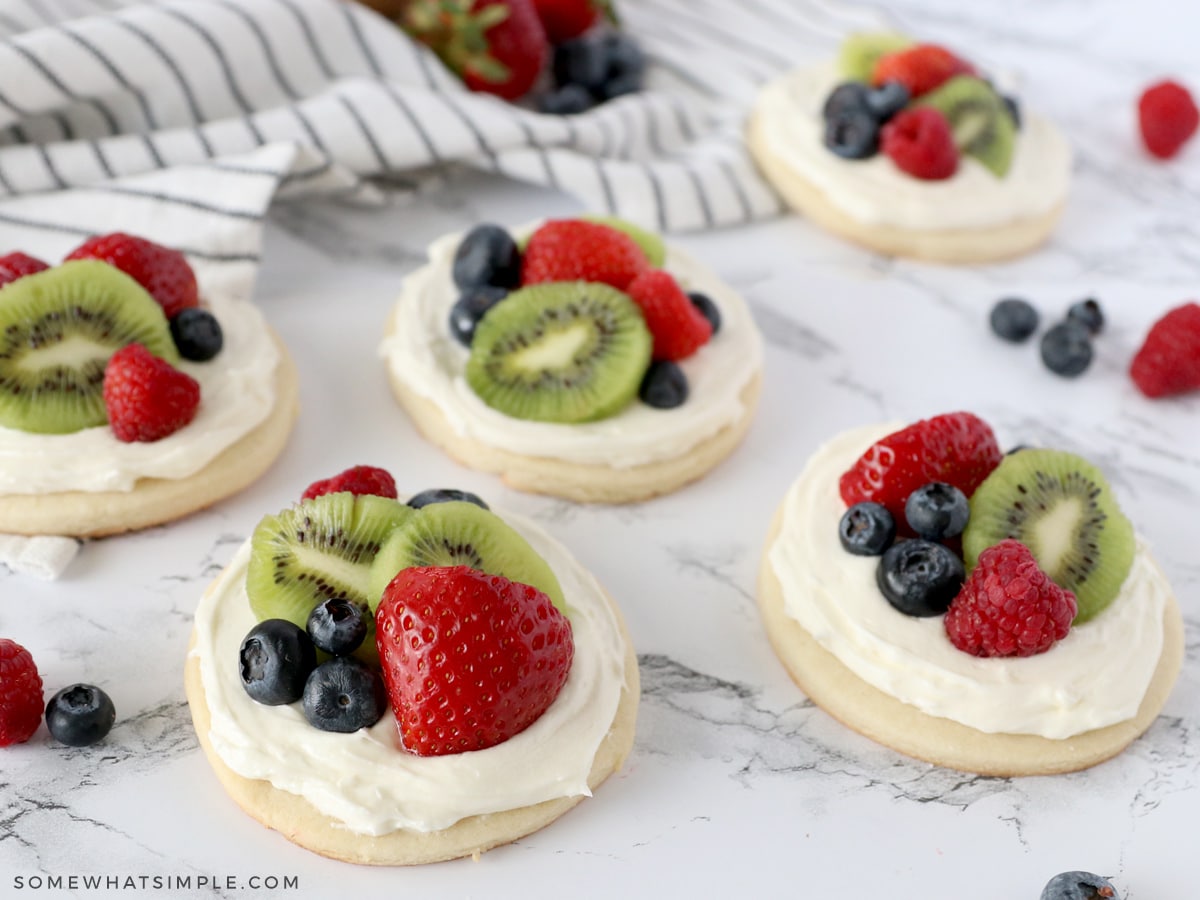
737, 786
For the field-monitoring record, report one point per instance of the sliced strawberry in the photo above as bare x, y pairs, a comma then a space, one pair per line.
921, 69
163, 272
18, 265
577, 250
357, 480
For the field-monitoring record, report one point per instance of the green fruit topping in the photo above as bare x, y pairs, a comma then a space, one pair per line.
651, 243
860, 52
563, 352
462, 534
58, 329
982, 124
1061, 508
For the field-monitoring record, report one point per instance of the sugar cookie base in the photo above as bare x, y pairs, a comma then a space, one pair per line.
154, 501
943, 742
300, 822
963, 245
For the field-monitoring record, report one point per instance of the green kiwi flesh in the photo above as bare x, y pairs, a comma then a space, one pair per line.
651, 243
860, 52
565, 352
58, 329
1060, 507
982, 125
462, 534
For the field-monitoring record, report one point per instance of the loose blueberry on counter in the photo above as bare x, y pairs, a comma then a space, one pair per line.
852, 134
1013, 319
867, 529
848, 96
80, 715
275, 660
1067, 349
487, 255
664, 385
1079, 886
1088, 314
937, 511
568, 100
886, 100
469, 309
197, 334
337, 626
444, 495
919, 577
1014, 109
707, 308
343, 695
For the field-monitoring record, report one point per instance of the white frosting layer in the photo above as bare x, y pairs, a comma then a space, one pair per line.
237, 392
1096, 676
423, 354
875, 192
365, 780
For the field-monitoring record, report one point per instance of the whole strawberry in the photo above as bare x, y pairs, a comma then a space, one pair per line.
163, 272
357, 480
921, 69
566, 19
18, 265
577, 250
469, 659
678, 327
21, 702
146, 397
1169, 359
1167, 117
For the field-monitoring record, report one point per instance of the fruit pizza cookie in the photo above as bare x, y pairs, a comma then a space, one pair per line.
909, 149
127, 398
986, 612
581, 358
397, 683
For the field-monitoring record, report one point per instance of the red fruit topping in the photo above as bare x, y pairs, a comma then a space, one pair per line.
357, 480
1168, 117
469, 659
566, 19
18, 265
921, 69
1169, 361
678, 327
956, 448
920, 142
147, 398
575, 250
163, 272
1008, 606
21, 703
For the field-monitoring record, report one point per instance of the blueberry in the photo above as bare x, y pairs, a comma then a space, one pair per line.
1088, 314
664, 385
852, 134
919, 577
337, 626
275, 660
1014, 109
197, 334
625, 65
80, 715
886, 100
850, 95
937, 511
487, 255
344, 694
582, 61
444, 495
469, 309
1014, 319
867, 529
707, 308
1067, 349
1079, 886
567, 100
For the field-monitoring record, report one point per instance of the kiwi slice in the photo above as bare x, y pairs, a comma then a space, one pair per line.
1061, 508
462, 534
570, 351
58, 329
651, 243
982, 124
860, 52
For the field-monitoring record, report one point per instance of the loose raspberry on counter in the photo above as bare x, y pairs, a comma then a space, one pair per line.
146, 397
21, 701
163, 272
357, 480
577, 250
921, 144
18, 265
1169, 360
1168, 118
678, 327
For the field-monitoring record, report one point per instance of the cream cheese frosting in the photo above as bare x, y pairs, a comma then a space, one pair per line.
365, 780
421, 353
1096, 676
237, 392
875, 192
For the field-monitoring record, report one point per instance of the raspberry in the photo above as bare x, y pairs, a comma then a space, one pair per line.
18, 265
163, 272
920, 143
1009, 606
357, 480
678, 327
921, 69
1168, 117
146, 397
575, 250
1169, 361
956, 448
20, 694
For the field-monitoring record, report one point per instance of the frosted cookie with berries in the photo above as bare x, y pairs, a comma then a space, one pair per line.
126, 398
985, 612
580, 358
909, 149
478, 681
